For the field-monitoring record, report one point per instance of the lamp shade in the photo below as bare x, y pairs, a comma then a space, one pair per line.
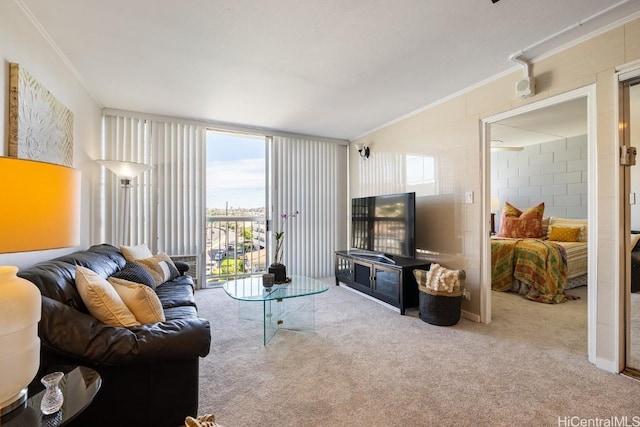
495, 203
41, 206
123, 169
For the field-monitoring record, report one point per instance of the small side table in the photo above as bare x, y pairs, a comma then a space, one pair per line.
79, 386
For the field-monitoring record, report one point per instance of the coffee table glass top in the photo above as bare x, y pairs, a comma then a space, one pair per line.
251, 289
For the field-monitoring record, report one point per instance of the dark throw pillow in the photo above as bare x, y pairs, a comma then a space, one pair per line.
134, 272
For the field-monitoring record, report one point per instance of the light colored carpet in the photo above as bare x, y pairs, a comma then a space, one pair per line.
366, 365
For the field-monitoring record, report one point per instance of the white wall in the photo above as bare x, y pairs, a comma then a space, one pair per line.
20, 42
554, 173
450, 131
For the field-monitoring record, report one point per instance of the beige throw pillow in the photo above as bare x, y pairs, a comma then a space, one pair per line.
132, 253
102, 300
161, 267
141, 300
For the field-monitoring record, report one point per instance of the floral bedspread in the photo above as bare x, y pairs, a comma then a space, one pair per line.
540, 264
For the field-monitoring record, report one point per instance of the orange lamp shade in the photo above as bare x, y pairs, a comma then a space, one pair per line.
40, 206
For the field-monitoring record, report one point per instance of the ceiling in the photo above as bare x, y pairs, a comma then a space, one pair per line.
552, 123
328, 68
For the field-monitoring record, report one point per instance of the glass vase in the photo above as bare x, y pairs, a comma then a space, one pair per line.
53, 398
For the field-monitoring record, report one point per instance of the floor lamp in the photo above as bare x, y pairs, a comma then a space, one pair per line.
126, 171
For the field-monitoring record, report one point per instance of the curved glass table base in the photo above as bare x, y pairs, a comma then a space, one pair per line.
282, 305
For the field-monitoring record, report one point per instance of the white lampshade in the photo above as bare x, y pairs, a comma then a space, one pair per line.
125, 170
20, 311
495, 203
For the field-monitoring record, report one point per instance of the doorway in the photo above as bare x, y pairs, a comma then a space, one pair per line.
587, 95
236, 197
630, 135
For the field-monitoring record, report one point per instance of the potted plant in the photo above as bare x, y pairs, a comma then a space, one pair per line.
277, 268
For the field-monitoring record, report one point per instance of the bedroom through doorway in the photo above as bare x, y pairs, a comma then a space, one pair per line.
538, 160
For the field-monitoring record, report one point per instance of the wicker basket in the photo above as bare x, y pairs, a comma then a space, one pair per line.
439, 309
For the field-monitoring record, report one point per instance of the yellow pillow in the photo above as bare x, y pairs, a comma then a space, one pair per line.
140, 299
564, 234
573, 222
102, 301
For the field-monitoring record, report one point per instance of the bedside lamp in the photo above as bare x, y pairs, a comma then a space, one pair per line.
126, 171
42, 211
495, 205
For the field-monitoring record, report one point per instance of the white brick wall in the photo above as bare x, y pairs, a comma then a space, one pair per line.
554, 173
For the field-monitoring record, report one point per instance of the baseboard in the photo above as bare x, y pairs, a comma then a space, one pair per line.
470, 316
607, 365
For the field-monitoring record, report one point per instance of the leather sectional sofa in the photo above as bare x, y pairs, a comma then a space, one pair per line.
149, 372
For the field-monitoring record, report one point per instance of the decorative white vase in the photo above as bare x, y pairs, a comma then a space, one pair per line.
20, 308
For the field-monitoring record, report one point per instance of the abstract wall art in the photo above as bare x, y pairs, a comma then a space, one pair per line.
40, 127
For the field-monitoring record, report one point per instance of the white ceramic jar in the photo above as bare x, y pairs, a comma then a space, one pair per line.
20, 308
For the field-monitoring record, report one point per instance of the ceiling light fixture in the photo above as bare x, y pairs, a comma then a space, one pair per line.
507, 148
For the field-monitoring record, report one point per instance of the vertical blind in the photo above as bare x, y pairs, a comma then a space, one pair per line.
310, 177
167, 202
168, 210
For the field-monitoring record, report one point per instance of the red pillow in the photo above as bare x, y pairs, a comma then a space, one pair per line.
517, 224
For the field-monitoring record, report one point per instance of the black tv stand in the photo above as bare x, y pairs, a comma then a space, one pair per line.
386, 279
379, 256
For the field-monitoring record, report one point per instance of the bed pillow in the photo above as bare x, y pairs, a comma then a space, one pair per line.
572, 222
561, 233
545, 226
132, 253
135, 272
517, 224
102, 300
161, 268
141, 300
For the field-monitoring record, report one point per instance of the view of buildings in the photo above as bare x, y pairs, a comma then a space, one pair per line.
235, 229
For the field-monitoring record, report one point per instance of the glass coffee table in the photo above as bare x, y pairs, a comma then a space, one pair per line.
282, 305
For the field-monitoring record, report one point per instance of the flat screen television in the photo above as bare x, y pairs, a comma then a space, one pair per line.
384, 224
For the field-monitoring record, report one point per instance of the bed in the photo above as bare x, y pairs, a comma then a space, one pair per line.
541, 265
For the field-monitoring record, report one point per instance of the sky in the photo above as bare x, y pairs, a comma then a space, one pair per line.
235, 171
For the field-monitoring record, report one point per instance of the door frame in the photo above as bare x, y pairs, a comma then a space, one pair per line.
625, 76
592, 205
